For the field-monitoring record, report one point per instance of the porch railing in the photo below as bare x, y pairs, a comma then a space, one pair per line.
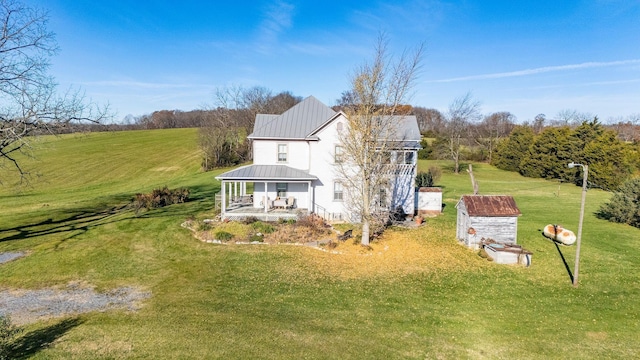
327, 215
400, 169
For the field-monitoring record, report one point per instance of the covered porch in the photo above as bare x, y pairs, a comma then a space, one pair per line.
279, 192
274, 214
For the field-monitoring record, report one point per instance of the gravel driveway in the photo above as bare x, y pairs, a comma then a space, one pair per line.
26, 306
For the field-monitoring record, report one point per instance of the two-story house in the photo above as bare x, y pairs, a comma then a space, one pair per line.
293, 170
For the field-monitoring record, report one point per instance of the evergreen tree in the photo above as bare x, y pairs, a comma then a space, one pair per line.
609, 161
624, 206
512, 150
549, 155
426, 150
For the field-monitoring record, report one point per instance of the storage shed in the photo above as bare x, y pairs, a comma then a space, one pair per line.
429, 201
487, 216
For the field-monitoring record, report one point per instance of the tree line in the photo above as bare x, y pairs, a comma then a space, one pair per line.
546, 154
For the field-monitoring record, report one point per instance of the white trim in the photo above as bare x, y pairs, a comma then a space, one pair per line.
286, 153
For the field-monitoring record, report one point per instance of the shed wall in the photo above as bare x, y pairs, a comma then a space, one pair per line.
500, 229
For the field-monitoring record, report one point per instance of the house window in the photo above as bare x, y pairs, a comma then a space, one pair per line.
385, 157
382, 198
339, 127
282, 152
281, 190
408, 157
337, 191
339, 154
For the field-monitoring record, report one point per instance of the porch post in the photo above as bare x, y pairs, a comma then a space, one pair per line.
223, 208
309, 200
235, 189
266, 198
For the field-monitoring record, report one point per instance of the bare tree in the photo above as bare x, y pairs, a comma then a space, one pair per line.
628, 128
29, 102
539, 123
571, 117
225, 127
492, 129
429, 120
378, 90
463, 111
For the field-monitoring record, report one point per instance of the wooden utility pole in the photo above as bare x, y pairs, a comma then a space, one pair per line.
585, 169
474, 183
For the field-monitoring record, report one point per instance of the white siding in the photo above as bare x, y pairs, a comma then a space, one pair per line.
265, 152
404, 194
317, 157
322, 166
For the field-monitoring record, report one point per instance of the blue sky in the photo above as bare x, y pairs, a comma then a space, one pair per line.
526, 57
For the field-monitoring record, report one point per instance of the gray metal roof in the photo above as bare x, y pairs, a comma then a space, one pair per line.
265, 173
295, 123
405, 132
307, 117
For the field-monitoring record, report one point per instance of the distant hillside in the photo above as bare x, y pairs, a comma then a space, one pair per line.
104, 167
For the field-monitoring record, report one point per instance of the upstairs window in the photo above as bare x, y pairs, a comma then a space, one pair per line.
386, 157
408, 157
282, 153
339, 127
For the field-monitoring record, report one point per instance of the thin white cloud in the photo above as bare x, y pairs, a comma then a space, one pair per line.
310, 48
277, 18
140, 84
593, 83
540, 70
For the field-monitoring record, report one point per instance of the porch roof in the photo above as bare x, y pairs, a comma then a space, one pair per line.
266, 173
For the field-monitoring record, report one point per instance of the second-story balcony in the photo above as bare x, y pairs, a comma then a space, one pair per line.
400, 169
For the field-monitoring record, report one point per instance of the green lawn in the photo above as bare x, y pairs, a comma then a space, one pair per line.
274, 302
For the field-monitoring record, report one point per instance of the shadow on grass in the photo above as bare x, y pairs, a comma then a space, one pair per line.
201, 199
32, 342
69, 221
80, 220
564, 261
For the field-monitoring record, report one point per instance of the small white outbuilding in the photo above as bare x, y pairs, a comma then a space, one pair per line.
429, 201
489, 217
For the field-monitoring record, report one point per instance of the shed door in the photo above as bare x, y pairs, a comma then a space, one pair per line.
463, 225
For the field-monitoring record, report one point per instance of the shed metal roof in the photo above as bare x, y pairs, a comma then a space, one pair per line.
490, 205
266, 173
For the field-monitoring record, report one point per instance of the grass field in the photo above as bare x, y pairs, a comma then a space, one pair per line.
417, 294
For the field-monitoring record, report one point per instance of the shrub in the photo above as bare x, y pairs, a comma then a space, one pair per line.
429, 178
205, 226
311, 221
256, 237
262, 227
624, 206
306, 228
223, 236
435, 173
250, 220
160, 198
8, 331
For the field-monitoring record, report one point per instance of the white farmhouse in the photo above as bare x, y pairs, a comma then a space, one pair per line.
293, 170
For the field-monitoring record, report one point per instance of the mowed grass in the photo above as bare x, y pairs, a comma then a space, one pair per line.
417, 294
